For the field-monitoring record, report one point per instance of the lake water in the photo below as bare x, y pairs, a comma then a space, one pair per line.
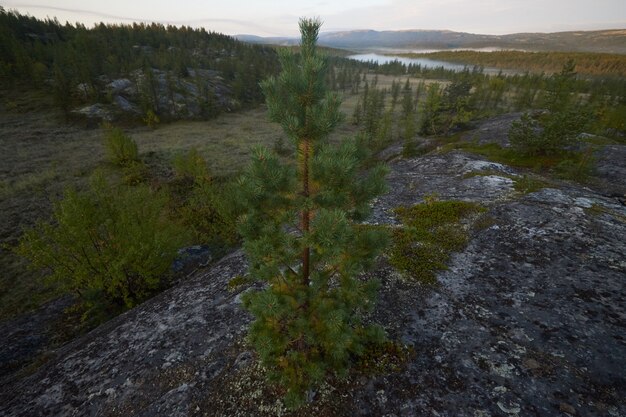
424, 62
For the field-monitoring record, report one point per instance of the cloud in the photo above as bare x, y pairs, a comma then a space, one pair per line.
78, 11
234, 25
481, 16
280, 17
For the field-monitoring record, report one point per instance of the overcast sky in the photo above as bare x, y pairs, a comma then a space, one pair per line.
279, 17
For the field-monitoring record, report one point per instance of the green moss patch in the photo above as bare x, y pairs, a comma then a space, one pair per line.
570, 165
384, 358
239, 281
528, 184
431, 232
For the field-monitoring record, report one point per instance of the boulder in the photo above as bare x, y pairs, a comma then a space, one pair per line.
125, 106
95, 112
610, 170
119, 85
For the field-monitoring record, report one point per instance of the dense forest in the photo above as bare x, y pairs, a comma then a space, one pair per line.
146, 69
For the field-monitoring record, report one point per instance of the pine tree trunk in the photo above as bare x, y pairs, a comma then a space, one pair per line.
306, 214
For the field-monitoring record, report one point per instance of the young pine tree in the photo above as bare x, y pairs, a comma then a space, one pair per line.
301, 234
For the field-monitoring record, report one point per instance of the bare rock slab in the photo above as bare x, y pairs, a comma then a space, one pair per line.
528, 320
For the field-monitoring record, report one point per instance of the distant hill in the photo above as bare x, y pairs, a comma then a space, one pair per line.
613, 41
267, 40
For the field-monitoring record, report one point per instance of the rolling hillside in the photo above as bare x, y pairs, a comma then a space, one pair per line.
613, 41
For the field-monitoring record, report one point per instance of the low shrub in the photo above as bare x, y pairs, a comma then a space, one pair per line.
112, 246
206, 213
549, 134
135, 173
121, 149
191, 166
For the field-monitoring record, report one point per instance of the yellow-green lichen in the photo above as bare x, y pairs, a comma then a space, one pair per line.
431, 232
384, 358
239, 281
598, 210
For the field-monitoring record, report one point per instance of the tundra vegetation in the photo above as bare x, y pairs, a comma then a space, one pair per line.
181, 173
111, 246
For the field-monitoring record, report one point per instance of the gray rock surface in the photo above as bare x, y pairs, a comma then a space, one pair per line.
530, 316
610, 169
125, 105
178, 97
494, 130
527, 321
182, 97
147, 361
95, 112
119, 85
29, 336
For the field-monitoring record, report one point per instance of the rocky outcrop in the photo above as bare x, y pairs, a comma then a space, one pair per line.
527, 321
146, 361
494, 130
610, 170
173, 96
28, 338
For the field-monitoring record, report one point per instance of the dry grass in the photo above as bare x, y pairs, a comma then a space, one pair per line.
40, 158
385, 81
224, 142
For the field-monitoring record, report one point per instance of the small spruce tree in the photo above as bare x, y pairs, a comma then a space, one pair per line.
301, 233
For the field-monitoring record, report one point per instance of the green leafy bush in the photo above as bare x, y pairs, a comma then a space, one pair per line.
151, 119
201, 203
121, 149
206, 212
135, 173
192, 166
112, 246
